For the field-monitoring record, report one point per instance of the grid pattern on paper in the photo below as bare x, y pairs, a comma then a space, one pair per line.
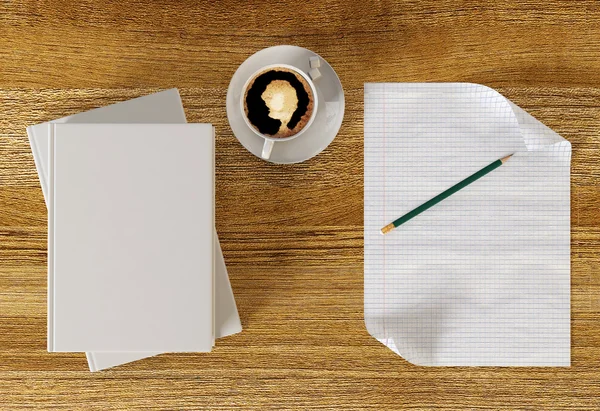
482, 278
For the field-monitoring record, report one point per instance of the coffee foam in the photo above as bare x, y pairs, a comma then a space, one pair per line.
278, 102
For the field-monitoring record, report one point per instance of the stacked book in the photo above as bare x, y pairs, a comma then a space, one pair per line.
135, 268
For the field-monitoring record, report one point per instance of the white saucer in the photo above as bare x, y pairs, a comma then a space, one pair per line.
329, 115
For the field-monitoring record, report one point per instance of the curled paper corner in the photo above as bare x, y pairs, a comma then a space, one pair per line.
407, 342
401, 332
535, 134
377, 330
415, 360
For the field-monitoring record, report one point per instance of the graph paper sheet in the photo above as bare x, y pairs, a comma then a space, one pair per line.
482, 278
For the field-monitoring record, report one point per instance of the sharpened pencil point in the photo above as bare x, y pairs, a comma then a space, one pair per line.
505, 159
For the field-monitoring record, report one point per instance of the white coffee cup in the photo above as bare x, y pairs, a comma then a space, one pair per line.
270, 141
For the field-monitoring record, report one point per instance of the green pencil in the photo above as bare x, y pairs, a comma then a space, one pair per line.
445, 194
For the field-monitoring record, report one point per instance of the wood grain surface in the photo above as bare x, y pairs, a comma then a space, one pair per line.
291, 235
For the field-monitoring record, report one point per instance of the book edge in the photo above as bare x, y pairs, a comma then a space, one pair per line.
91, 361
50, 319
214, 235
36, 158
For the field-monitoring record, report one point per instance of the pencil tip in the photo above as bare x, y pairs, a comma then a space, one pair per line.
505, 159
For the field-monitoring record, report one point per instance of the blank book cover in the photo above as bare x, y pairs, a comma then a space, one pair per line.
131, 217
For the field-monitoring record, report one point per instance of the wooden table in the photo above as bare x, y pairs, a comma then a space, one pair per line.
292, 235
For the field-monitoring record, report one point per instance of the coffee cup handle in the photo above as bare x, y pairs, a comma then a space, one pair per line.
267, 148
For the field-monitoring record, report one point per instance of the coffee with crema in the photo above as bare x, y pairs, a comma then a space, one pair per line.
278, 102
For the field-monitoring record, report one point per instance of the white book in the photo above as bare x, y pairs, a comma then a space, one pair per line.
227, 321
161, 107
130, 237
